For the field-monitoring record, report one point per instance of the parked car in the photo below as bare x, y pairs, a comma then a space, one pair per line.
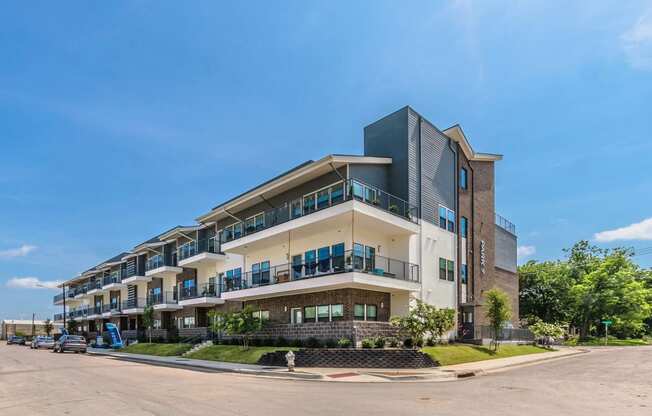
74, 343
42, 342
14, 339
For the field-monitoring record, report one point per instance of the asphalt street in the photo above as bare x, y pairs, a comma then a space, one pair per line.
613, 381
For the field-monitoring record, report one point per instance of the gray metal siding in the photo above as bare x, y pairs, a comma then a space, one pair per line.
505, 250
376, 175
438, 173
387, 137
414, 162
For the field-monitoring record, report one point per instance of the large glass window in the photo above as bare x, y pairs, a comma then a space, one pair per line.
442, 268
464, 271
311, 262
264, 272
446, 219
371, 313
297, 266
323, 314
324, 256
451, 221
310, 313
337, 312
442, 217
370, 258
255, 273
464, 227
463, 179
358, 256
451, 270
358, 312
338, 256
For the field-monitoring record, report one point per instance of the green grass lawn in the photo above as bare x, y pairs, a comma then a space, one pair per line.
234, 353
462, 353
614, 342
162, 350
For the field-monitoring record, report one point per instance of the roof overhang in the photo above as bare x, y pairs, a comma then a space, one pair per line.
293, 178
183, 231
456, 134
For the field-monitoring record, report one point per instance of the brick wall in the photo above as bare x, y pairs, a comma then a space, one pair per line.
354, 330
352, 358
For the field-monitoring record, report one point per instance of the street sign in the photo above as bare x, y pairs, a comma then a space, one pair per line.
607, 322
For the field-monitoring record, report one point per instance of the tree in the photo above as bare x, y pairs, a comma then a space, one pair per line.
47, 325
216, 320
498, 312
148, 320
72, 326
545, 291
425, 319
244, 324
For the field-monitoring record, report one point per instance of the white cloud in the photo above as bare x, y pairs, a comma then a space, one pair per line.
637, 43
21, 251
32, 283
638, 231
525, 251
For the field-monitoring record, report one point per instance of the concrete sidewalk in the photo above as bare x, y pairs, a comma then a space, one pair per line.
373, 375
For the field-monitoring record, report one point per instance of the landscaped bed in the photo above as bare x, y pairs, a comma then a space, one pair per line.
460, 353
234, 353
162, 350
613, 342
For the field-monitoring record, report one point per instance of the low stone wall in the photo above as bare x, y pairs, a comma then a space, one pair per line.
201, 332
352, 358
354, 330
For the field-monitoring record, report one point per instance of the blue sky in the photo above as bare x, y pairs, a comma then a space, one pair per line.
121, 119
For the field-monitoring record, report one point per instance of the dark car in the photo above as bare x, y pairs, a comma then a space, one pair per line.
14, 339
42, 342
74, 343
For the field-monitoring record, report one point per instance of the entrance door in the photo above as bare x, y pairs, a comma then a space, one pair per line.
297, 316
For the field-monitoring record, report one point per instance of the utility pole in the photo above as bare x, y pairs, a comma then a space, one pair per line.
33, 326
64, 305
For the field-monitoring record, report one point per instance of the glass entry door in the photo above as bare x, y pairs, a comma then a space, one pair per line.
297, 316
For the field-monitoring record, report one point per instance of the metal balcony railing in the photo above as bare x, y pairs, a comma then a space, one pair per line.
159, 260
505, 224
349, 261
134, 303
203, 290
162, 298
192, 248
351, 189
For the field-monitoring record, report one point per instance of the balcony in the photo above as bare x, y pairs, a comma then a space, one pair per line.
58, 317
207, 294
371, 206
58, 299
505, 224
164, 301
203, 251
113, 281
350, 269
156, 266
95, 287
130, 276
134, 306
80, 291
95, 312
112, 309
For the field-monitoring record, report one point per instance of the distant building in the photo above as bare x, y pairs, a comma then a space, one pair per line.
9, 327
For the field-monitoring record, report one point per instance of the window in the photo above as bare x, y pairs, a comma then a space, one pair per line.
371, 312
464, 227
358, 256
310, 313
255, 274
311, 262
186, 322
464, 179
297, 266
296, 316
358, 312
262, 315
446, 219
323, 313
370, 258
442, 268
264, 272
442, 217
337, 312
156, 324
324, 256
338, 256
451, 221
451, 270
464, 272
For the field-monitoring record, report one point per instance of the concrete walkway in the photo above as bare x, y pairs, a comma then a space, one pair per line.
374, 375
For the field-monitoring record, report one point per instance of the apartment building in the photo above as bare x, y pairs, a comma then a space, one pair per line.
331, 248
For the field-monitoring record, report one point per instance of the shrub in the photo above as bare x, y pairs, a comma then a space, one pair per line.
281, 342
408, 343
268, 342
256, 342
368, 343
418, 343
296, 343
344, 343
313, 342
431, 342
330, 343
235, 341
379, 342
393, 342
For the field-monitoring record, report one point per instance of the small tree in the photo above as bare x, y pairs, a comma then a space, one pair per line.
72, 326
498, 312
148, 320
217, 320
425, 319
545, 333
244, 324
47, 325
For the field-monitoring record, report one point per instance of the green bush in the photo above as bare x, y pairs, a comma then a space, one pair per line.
344, 343
282, 342
313, 342
379, 342
296, 343
255, 342
368, 343
330, 343
268, 342
408, 343
393, 342
431, 342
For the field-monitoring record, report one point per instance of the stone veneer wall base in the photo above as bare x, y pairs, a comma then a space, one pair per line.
352, 358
